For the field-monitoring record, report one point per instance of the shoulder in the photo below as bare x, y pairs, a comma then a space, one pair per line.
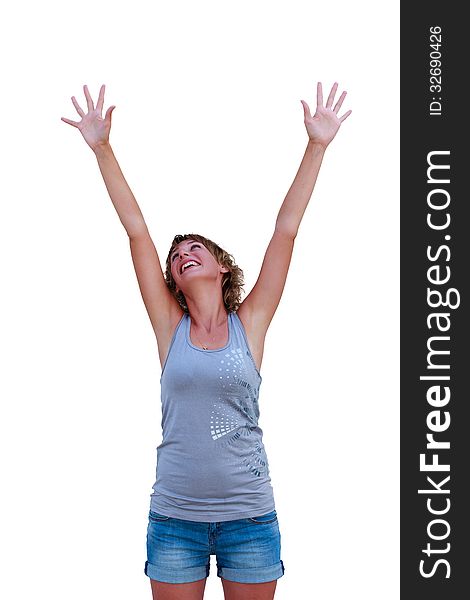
254, 327
255, 333
164, 338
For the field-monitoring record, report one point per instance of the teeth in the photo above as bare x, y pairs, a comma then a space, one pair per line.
188, 264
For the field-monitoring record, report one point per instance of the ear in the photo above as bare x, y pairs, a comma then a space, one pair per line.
224, 269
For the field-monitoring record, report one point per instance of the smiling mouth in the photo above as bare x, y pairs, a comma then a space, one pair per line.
188, 265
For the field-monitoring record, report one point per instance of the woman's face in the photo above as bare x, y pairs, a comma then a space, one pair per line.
190, 261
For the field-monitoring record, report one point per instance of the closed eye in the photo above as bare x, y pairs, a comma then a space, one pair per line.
176, 253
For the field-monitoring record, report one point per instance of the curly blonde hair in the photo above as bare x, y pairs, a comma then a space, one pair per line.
232, 281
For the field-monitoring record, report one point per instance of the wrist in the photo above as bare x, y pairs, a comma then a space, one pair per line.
316, 146
102, 148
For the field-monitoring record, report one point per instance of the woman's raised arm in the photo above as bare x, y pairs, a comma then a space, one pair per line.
163, 309
95, 130
258, 308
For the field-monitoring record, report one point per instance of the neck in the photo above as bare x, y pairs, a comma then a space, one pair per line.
207, 309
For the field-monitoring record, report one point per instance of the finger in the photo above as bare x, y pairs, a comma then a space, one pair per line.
77, 106
340, 102
74, 123
99, 104
89, 101
345, 116
307, 114
319, 94
331, 97
107, 116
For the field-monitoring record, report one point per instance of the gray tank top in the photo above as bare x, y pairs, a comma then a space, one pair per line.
211, 464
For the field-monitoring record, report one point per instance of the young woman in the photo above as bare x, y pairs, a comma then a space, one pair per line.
213, 492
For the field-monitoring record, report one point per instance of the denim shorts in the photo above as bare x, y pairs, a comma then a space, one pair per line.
247, 550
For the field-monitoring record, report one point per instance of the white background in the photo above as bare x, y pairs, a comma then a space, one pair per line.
209, 133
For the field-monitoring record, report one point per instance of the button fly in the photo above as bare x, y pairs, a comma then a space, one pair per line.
213, 527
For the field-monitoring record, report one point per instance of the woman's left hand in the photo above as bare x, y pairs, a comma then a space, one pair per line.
324, 124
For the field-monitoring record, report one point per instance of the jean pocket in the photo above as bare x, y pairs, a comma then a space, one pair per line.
157, 517
269, 517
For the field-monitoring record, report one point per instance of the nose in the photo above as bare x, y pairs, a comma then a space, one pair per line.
181, 253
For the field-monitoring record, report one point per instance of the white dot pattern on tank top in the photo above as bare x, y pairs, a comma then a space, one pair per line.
231, 414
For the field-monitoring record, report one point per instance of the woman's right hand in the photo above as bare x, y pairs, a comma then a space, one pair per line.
93, 127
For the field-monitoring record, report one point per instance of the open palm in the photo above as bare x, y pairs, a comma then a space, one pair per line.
93, 127
324, 124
